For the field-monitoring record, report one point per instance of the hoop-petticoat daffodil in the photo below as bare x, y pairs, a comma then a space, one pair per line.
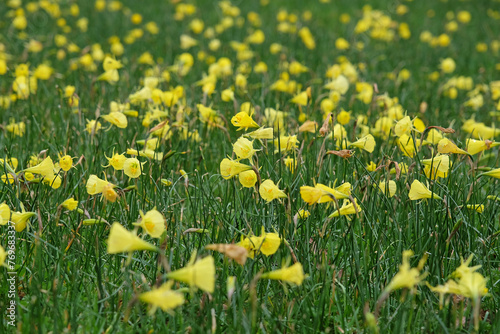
116, 118
200, 274
3, 256
244, 121
230, 168
44, 168
152, 222
407, 145
261, 133
116, 161
266, 243
120, 240
97, 186
366, 143
493, 173
439, 162
248, 178
293, 274
323, 194
407, 277
347, 208
20, 219
163, 297
132, 167
285, 143
403, 126
4, 214
388, 188
269, 191
474, 146
419, 191
447, 146
243, 148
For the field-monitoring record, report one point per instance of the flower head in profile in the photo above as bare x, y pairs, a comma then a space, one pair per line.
266, 243
116, 161
163, 297
447, 146
366, 143
248, 178
4, 214
230, 168
70, 204
244, 121
200, 274
20, 219
152, 222
269, 191
419, 191
347, 208
493, 173
3, 256
116, 118
388, 188
44, 168
407, 277
293, 274
132, 167
120, 240
243, 148
66, 162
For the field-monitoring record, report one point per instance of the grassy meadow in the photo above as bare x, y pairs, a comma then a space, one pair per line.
249, 166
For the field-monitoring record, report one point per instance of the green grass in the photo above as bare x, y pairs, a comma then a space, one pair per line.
67, 282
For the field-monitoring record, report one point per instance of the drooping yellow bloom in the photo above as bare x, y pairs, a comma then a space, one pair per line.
66, 162
266, 243
163, 297
152, 222
293, 274
111, 76
403, 126
116, 118
3, 256
243, 148
419, 191
366, 143
474, 146
439, 162
70, 204
4, 214
388, 188
200, 274
347, 208
407, 145
111, 64
45, 168
120, 240
132, 168
244, 121
269, 191
447, 146
230, 168
95, 185
300, 99
493, 173
285, 143
407, 277
262, 133
116, 161
20, 219
248, 178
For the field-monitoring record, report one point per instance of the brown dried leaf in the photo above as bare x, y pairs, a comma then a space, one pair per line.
235, 252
